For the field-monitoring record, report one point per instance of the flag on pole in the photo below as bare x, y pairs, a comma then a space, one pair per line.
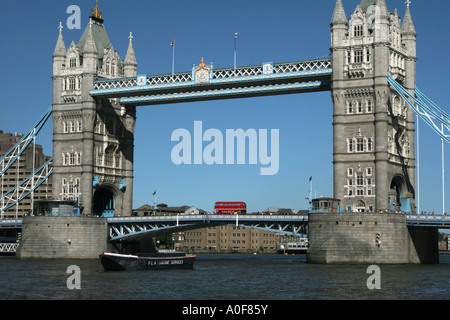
235, 35
172, 43
154, 192
310, 179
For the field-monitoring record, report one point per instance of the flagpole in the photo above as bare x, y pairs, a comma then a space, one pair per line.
235, 39
154, 205
173, 59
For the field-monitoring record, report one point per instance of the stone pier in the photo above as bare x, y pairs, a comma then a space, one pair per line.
63, 237
372, 238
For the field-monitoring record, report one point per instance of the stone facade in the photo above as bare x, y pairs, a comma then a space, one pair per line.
63, 237
374, 130
92, 139
381, 238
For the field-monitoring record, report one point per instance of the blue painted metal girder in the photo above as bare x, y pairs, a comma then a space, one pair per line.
228, 93
265, 79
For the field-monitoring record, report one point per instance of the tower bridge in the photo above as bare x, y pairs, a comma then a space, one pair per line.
371, 74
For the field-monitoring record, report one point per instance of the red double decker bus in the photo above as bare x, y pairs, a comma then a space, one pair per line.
229, 207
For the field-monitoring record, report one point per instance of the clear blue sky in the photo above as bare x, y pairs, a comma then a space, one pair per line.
269, 31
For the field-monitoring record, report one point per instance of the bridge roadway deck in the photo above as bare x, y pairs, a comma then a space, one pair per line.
135, 227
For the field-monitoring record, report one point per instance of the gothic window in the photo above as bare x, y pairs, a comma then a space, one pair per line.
79, 83
79, 126
72, 159
360, 145
368, 171
360, 180
99, 156
113, 70
72, 126
349, 57
64, 159
369, 106
359, 107
349, 107
350, 172
73, 62
369, 144
72, 84
63, 186
77, 185
351, 145
118, 160
65, 127
360, 192
109, 158
358, 31
358, 56
367, 55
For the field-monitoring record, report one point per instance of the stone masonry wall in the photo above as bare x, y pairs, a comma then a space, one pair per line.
63, 237
352, 238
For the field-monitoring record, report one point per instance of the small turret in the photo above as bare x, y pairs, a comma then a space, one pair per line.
339, 17
130, 63
408, 25
90, 52
59, 55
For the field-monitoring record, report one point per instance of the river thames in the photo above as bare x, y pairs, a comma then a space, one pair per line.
224, 277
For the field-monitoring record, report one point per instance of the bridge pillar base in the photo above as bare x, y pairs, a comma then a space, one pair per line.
62, 237
365, 238
424, 245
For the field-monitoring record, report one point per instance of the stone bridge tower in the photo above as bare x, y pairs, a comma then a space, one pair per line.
374, 129
92, 139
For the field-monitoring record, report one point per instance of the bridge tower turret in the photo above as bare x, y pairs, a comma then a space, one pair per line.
92, 138
374, 130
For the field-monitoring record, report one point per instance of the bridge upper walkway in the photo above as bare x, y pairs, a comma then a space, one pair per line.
248, 81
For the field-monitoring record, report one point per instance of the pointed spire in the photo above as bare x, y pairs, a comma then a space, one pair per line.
408, 25
130, 59
339, 16
130, 63
384, 12
90, 46
60, 49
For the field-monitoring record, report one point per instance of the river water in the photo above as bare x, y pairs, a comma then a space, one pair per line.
224, 277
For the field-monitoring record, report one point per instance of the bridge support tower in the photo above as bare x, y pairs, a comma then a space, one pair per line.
93, 139
374, 129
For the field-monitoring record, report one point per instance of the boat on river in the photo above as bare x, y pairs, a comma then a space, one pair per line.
148, 261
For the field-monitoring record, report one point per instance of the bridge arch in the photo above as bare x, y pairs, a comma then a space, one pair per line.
105, 200
399, 197
359, 206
